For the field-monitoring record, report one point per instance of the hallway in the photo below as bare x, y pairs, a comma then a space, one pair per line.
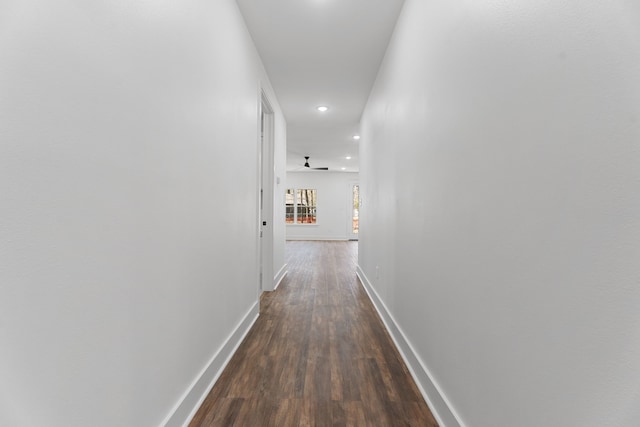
318, 355
145, 146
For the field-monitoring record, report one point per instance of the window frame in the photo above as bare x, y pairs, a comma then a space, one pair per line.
296, 204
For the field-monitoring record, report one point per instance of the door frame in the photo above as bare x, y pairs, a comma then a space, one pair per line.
265, 193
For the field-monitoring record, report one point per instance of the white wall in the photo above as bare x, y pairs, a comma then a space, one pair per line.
128, 211
334, 195
500, 172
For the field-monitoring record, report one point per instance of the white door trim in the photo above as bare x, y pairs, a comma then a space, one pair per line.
265, 193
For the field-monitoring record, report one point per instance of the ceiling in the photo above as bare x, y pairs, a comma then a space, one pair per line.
321, 52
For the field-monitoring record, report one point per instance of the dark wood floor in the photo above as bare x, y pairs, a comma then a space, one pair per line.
318, 355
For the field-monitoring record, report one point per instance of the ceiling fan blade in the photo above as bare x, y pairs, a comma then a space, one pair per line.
306, 165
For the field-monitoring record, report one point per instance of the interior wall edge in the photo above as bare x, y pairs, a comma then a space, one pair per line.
280, 276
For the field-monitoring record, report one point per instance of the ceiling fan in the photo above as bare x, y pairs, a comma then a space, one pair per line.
306, 165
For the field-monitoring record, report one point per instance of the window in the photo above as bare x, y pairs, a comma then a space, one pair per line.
300, 206
355, 208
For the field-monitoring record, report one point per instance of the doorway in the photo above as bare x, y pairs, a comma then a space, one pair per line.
265, 190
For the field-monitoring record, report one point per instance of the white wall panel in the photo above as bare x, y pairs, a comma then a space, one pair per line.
128, 212
500, 224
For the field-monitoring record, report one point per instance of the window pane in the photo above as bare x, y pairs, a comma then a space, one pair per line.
306, 209
288, 199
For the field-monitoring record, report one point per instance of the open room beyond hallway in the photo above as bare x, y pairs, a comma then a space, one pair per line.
317, 355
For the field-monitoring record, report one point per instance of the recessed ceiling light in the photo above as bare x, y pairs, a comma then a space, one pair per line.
344, 169
322, 108
348, 157
356, 137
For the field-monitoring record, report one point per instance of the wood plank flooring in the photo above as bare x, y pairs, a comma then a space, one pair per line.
318, 355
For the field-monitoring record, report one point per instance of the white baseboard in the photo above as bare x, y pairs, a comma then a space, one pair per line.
190, 402
279, 277
438, 403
